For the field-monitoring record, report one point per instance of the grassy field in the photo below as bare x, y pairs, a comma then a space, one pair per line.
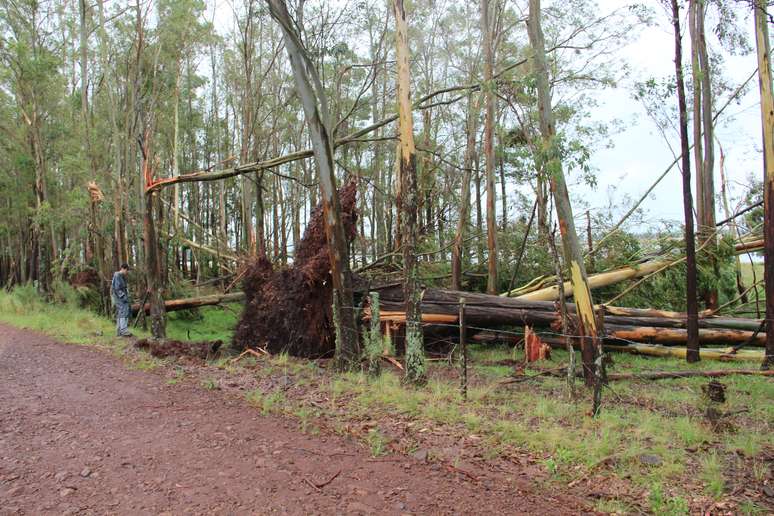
69, 323
751, 272
651, 449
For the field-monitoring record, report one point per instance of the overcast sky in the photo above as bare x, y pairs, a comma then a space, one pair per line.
640, 154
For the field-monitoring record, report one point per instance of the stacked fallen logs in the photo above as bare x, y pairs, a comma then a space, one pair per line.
629, 328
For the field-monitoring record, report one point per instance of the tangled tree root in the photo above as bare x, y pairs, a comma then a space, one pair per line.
289, 310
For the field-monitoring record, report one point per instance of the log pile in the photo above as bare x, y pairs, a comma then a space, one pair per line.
621, 326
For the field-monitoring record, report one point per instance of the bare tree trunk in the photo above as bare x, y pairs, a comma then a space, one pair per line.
692, 346
704, 159
573, 254
407, 204
767, 120
489, 121
464, 209
175, 149
247, 129
315, 105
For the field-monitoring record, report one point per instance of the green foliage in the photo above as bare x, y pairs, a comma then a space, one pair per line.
210, 384
663, 505
712, 475
377, 443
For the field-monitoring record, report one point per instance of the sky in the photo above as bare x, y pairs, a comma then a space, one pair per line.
640, 153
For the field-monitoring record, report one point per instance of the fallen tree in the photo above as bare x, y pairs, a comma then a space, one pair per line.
636, 348
544, 288
289, 309
194, 302
482, 311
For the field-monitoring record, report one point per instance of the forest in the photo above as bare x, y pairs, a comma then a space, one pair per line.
406, 187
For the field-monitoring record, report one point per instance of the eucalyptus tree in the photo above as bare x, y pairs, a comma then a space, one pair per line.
573, 254
692, 345
407, 203
315, 105
762, 43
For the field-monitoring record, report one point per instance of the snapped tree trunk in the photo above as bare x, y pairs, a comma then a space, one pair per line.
315, 105
573, 255
150, 237
407, 204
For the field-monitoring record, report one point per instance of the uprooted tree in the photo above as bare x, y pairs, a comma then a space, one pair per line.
313, 99
289, 309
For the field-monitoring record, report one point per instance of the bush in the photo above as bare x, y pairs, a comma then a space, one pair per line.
65, 294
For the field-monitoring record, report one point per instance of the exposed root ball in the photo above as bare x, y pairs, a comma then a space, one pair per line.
175, 348
289, 310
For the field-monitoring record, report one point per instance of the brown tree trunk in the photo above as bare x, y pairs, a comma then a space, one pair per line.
150, 237
489, 121
692, 353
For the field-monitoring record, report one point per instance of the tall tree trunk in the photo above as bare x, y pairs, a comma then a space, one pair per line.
573, 254
315, 105
175, 150
150, 238
247, 129
767, 121
692, 346
704, 158
489, 121
407, 203
464, 208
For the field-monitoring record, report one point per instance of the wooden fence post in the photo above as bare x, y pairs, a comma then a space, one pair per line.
375, 344
463, 351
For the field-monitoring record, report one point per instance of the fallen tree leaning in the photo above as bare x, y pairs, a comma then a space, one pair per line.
194, 302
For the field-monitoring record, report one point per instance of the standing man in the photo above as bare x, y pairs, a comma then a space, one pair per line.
120, 295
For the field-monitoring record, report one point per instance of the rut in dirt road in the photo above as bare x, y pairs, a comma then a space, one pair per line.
81, 433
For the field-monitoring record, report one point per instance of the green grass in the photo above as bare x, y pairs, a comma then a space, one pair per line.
66, 322
377, 442
662, 504
712, 474
748, 277
272, 403
210, 384
209, 323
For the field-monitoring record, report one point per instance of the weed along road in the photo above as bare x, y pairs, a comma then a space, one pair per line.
81, 433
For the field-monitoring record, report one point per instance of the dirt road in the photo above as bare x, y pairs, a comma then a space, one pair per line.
82, 434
